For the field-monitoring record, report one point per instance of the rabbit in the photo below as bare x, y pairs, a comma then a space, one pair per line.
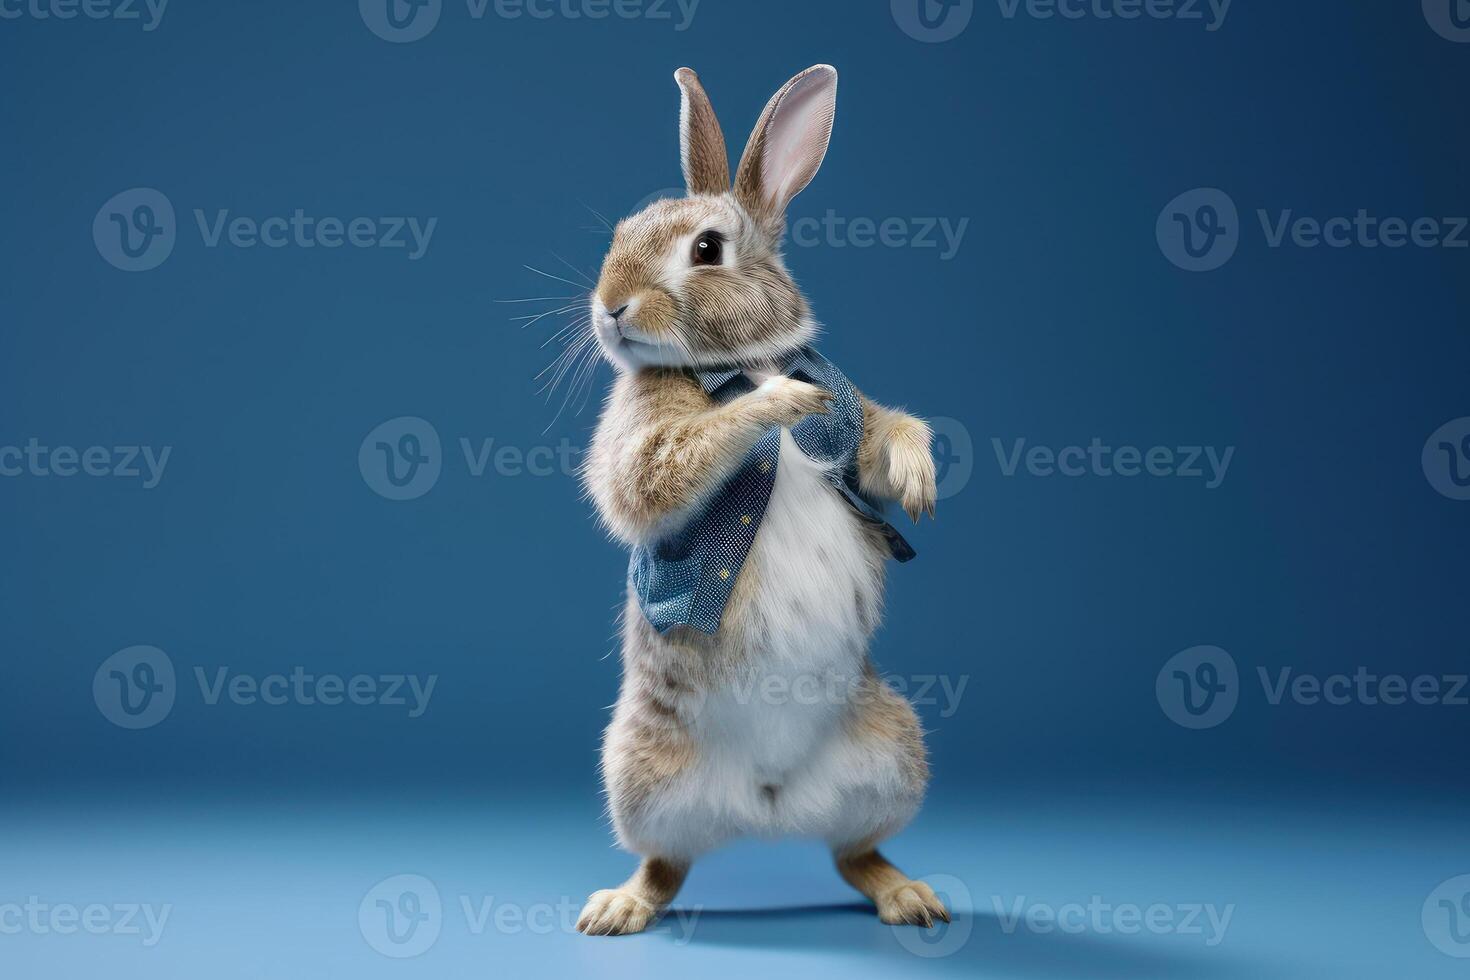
760, 715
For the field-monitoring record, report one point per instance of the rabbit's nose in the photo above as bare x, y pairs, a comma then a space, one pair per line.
618, 312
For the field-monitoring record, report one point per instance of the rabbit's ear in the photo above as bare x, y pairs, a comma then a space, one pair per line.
701, 144
789, 142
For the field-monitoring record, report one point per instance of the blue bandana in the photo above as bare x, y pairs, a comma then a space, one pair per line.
686, 579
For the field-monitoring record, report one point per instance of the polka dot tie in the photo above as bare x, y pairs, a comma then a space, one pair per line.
686, 579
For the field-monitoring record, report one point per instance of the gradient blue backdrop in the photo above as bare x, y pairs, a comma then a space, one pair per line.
1058, 320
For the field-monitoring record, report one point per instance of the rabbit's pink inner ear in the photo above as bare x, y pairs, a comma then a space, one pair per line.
701, 143
789, 142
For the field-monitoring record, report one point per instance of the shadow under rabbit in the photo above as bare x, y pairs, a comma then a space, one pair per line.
972, 944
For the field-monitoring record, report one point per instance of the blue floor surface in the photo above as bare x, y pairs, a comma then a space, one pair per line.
1041, 887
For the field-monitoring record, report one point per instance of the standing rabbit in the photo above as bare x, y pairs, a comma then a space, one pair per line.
745, 471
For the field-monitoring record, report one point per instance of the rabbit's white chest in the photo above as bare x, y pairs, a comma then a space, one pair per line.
819, 577
818, 590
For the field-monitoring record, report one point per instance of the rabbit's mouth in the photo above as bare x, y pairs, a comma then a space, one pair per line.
625, 344
647, 351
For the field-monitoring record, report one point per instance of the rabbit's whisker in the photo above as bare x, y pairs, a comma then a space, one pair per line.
598, 215
532, 319
565, 330
564, 360
583, 380
557, 367
585, 347
579, 272
574, 285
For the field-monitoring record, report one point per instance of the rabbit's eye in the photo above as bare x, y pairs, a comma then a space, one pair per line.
707, 249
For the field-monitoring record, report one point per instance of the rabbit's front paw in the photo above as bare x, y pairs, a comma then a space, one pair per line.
911, 468
790, 400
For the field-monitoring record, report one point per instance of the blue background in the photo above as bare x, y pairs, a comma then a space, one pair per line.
1058, 599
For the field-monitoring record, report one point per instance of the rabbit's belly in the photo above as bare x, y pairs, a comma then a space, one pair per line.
775, 755
817, 590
